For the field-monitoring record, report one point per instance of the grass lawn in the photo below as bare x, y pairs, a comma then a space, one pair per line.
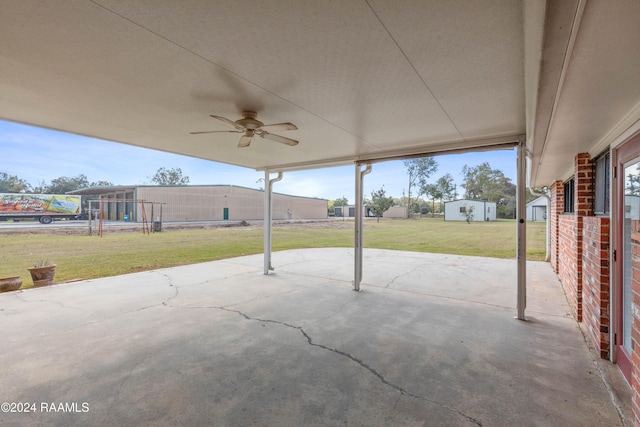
89, 257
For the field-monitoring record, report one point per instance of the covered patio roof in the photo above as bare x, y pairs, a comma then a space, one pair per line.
362, 80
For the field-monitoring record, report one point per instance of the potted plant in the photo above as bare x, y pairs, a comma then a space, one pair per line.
8, 284
42, 273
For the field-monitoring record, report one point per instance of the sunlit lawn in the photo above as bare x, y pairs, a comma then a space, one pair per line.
88, 257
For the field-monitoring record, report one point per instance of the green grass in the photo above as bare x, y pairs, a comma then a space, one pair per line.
89, 257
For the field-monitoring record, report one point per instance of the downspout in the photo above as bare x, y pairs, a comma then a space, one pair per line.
547, 222
358, 225
268, 213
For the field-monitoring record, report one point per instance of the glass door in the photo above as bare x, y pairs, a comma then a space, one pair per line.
627, 249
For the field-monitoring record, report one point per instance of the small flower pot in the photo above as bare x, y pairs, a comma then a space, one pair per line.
43, 276
8, 284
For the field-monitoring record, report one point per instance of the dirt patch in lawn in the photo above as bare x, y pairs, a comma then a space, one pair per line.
167, 227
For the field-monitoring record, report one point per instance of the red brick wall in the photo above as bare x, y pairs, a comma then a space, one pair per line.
584, 185
580, 256
569, 262
569, 234
556, 206
595, 268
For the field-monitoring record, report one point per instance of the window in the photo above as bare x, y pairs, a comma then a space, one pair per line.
463, 209
603, 189
569, 188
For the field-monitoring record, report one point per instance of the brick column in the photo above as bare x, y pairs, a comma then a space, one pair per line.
584, 185
596, 295
570, 227
583, 207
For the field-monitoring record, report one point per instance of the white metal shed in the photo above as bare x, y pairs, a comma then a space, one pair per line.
477, 210
537, 209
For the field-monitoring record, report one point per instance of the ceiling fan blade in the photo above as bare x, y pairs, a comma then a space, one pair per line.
279, 127
216, 131
229, 122
279, 138
245, 141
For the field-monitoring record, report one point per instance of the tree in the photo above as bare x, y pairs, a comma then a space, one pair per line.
483, 183
418, 170
13, 184
379, 203
446, 188
101, 184
65, 184
632, 182
431, 190
171, 176
343, 201
443, 189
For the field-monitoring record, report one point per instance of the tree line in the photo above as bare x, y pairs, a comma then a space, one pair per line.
480, 182
61, 185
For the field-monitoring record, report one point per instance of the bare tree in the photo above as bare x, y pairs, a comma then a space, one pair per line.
418, 170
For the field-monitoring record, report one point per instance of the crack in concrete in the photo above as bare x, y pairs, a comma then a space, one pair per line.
338, 311
167, 302
51, 302
164, 302
358, 361
446, 297
403, 274
175, 288
257, 298
121, 386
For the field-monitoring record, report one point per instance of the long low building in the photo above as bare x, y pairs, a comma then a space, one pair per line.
199, 203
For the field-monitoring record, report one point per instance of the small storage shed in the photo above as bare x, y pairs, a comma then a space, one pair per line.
457, 210
347, 211
537, 209
395, 212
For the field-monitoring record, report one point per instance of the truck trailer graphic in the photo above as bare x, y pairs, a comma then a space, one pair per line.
42, 207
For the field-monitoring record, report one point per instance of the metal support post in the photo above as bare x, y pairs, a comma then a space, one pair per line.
521, 232
268, 220
358, 224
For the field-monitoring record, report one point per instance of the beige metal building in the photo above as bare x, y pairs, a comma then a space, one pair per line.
200, 203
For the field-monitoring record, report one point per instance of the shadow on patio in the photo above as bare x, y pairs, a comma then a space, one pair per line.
431, 340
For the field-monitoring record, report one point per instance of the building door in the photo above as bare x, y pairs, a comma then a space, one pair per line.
627, 241
225, 214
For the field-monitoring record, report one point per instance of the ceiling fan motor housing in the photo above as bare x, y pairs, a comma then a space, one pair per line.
249, 121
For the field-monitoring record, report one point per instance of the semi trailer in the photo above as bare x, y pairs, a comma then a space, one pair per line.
44, 208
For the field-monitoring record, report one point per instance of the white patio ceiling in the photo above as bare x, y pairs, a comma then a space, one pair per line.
362, 79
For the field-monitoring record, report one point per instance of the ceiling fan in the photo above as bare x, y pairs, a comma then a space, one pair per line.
251, 126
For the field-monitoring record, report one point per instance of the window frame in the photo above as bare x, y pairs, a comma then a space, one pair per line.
601, 185
569, 196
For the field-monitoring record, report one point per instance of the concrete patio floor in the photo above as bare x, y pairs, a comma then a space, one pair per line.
430, 340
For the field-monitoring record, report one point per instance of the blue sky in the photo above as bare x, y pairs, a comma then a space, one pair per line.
36, 155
